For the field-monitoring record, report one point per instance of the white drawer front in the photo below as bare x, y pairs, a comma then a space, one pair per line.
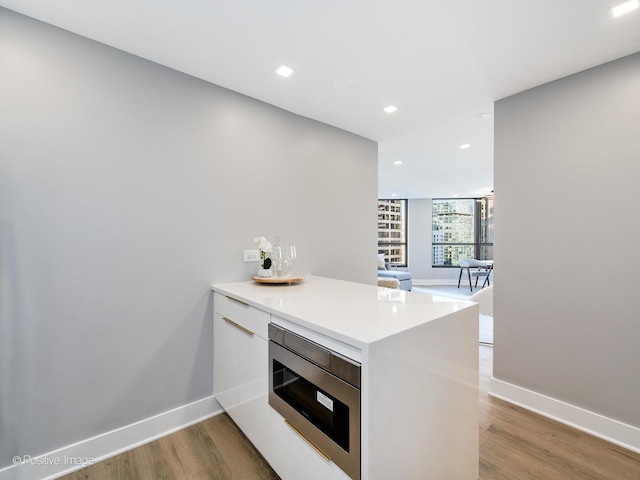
294, 458
242, 314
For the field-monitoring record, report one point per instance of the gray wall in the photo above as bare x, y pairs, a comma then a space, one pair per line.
567, 230
419, 238
127, 189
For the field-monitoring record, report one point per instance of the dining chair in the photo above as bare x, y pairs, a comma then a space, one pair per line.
482, 270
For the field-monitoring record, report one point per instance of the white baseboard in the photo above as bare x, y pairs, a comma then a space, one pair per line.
613, 431
431, 281
78, 455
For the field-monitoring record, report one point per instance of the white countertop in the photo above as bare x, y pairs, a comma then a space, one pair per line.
354, 313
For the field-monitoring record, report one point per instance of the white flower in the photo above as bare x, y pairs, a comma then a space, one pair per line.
265, 247
260, 241
263, 244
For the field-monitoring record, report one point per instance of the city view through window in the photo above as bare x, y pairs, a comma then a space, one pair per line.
392, 231
462, 228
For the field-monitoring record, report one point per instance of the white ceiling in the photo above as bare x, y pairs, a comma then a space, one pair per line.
441, 62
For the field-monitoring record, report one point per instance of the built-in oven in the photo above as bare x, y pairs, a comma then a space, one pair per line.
317, 391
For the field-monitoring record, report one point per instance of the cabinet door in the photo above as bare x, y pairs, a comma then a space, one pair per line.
241, 383
225, 364
253, 404
293, 458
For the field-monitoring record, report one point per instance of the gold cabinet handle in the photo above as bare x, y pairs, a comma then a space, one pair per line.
239, 327
237, 301
309, 442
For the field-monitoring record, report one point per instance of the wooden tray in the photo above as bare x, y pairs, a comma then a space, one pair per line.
279, 280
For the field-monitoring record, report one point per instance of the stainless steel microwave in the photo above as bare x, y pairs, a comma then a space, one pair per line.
317, 391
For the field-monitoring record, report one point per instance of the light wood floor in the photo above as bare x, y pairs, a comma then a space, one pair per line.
514, 445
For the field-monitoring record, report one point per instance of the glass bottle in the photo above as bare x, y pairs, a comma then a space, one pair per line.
276, 257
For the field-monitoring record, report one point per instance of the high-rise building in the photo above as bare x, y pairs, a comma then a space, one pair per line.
438, 250
462, 228
392, 231
454, 228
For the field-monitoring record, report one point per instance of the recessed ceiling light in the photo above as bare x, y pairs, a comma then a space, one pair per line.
625, 7
284, 71
484, 116
394, 194
465, 146
390, 109
455, 195
342, 83
398, 162
311, 100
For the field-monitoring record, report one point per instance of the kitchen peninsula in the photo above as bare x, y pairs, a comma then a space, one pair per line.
418, 377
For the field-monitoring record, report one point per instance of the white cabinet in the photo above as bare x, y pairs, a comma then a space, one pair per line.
253, 377
225, 364
419, 392
240, 368
294, 458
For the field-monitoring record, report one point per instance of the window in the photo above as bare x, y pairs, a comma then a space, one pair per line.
392, 231
462, 228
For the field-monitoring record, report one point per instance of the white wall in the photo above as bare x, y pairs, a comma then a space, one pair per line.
566, 172
126, 189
